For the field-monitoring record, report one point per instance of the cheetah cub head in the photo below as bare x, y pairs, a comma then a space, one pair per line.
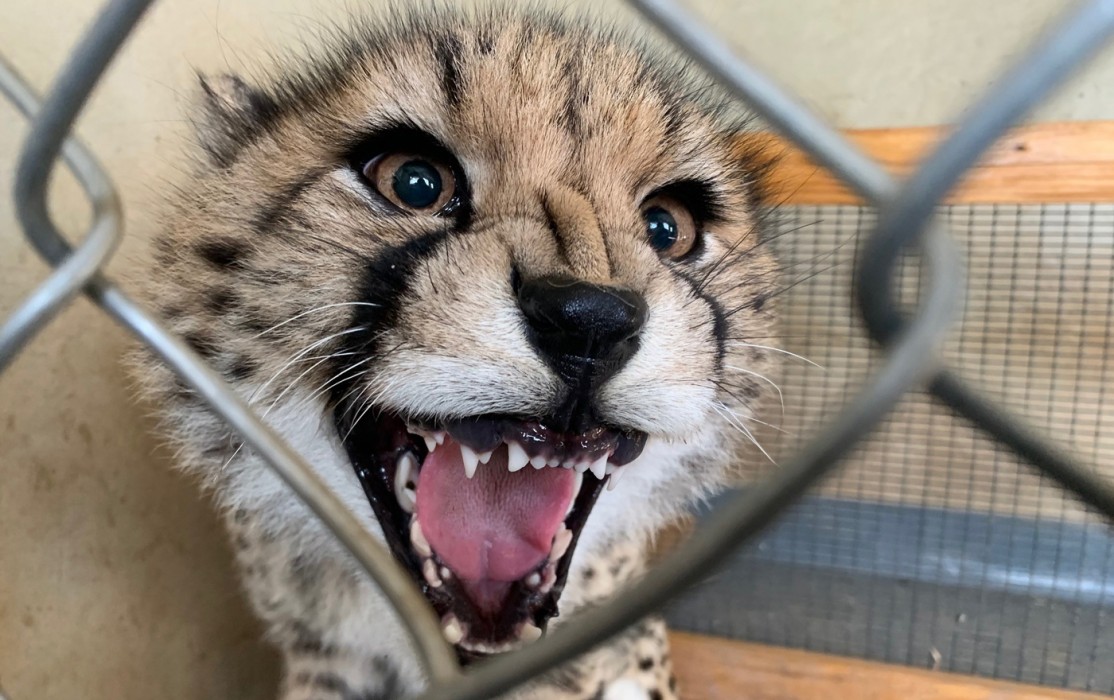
499, 280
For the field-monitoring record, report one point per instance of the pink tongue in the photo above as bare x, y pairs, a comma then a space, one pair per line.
494, 528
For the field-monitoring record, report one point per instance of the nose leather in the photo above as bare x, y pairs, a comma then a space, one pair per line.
585, 331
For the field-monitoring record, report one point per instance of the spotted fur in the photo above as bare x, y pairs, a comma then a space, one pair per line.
281, 269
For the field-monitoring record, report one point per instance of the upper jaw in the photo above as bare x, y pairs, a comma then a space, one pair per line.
389, 455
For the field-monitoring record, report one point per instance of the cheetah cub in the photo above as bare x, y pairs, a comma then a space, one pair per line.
498, 278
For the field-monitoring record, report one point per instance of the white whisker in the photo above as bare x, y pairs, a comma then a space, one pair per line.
773, 349
311, 311
780, 397
733, 420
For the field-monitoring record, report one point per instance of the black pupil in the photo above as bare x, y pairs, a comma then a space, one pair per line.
661, 227
417, 184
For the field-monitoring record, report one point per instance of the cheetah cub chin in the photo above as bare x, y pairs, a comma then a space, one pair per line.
498, 278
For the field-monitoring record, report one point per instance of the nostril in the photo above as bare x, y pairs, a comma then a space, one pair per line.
571, 317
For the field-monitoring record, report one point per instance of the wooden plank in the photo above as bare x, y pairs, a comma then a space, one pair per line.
710, 668
1059, 162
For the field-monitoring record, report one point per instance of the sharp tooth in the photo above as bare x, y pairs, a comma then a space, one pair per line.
406, 465
484, 457
429, 570
610, 468
579, 481
537, 462
445, 573
615, 476
553, 462
430, 443
599, 467
582, 466
549, 578
470, 459
452, 629
561, 542
439, 436
529, 632
516, 456
534, 580
418, 540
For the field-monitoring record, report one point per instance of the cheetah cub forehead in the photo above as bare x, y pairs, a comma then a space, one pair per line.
475, 269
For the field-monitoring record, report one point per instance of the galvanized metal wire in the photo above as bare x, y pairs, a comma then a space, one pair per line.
906, 225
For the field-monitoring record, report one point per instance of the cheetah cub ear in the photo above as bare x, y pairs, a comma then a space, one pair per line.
230, 111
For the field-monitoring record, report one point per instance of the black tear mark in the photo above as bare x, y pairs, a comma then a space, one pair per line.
385, 281
719, 316
449, 53
222, 253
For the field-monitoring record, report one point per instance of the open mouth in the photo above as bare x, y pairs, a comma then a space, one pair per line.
485, 513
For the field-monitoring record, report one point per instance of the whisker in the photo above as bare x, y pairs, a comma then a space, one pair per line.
781, 398
773, 349
311, 311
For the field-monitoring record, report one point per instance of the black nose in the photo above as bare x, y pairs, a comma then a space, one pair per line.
586, 332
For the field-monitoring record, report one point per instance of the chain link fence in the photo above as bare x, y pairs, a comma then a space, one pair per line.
906, 226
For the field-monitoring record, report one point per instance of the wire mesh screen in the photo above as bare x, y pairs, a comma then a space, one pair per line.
935, 546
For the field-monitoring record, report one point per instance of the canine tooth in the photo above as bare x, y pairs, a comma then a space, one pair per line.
576, 484
561, 542
418, 540
534, 580
430, 443
484, 457
537, 462
615, 476
516, 457
610, 468
439, 436
429, 570
406, 464
599, 467
452, 629
470, 459
446, 574
529, 632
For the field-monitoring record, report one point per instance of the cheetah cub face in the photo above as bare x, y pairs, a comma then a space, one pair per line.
498, 279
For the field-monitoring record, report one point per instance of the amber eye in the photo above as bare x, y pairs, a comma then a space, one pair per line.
412, 181
670, 228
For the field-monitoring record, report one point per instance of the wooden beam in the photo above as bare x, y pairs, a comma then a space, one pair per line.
710, 668
1045, 163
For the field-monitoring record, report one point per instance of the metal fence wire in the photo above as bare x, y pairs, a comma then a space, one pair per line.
906, 225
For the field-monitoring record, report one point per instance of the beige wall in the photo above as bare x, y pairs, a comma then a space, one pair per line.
114, 581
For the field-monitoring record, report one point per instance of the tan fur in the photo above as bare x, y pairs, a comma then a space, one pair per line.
562, 132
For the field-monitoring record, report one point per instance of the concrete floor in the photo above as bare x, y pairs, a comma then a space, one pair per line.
114, 579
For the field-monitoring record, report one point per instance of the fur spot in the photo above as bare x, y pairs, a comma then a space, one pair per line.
201, 344
655, 694
645, 663
242, 368
221, 300
449, 53
222, 253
